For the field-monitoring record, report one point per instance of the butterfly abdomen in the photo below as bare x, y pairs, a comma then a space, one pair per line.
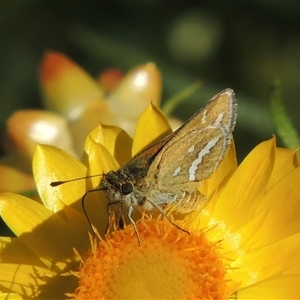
187, 202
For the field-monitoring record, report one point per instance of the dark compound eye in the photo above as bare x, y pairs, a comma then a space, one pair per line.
126, 188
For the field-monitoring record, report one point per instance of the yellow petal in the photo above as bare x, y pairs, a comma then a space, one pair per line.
115, 140
266, 262
43, 232
280, 287
52, 164
26, 280
151, 127
10, 296
285, 162
78, 225
248, 182
235, 244
29, 127
47, 160
13, 251
15, 180
137, 90
96, 112
98, 158
67, 88
281, 202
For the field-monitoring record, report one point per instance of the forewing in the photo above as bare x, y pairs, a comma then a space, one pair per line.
192, 159
196, 149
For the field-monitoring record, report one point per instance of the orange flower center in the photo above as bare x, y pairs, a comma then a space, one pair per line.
169, 264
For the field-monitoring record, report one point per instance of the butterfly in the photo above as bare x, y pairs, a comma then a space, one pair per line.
169, 172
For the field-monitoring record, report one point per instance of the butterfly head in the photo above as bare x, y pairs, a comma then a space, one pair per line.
119, 189
116, 185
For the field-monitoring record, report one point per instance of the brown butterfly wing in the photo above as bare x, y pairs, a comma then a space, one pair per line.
196, 149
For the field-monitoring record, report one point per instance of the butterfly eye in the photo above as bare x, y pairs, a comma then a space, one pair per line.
126, 188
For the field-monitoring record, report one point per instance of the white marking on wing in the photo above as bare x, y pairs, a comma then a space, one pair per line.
191, 149
219, 119
206, 150
177, 171
203, 120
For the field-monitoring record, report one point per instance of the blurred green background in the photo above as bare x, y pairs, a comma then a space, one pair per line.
243, 45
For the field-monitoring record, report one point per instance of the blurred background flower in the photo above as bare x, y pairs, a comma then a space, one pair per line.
223, 44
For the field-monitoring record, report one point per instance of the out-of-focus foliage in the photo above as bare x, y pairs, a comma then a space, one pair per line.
284, 126
224, 44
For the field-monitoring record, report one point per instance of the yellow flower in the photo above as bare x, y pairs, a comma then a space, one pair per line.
84, 102
244, 244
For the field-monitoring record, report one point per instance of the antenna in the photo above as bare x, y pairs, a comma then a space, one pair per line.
57, 183
84, 210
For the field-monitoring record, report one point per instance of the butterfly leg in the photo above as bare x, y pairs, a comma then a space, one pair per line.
168, 218
120, 222
130, 210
